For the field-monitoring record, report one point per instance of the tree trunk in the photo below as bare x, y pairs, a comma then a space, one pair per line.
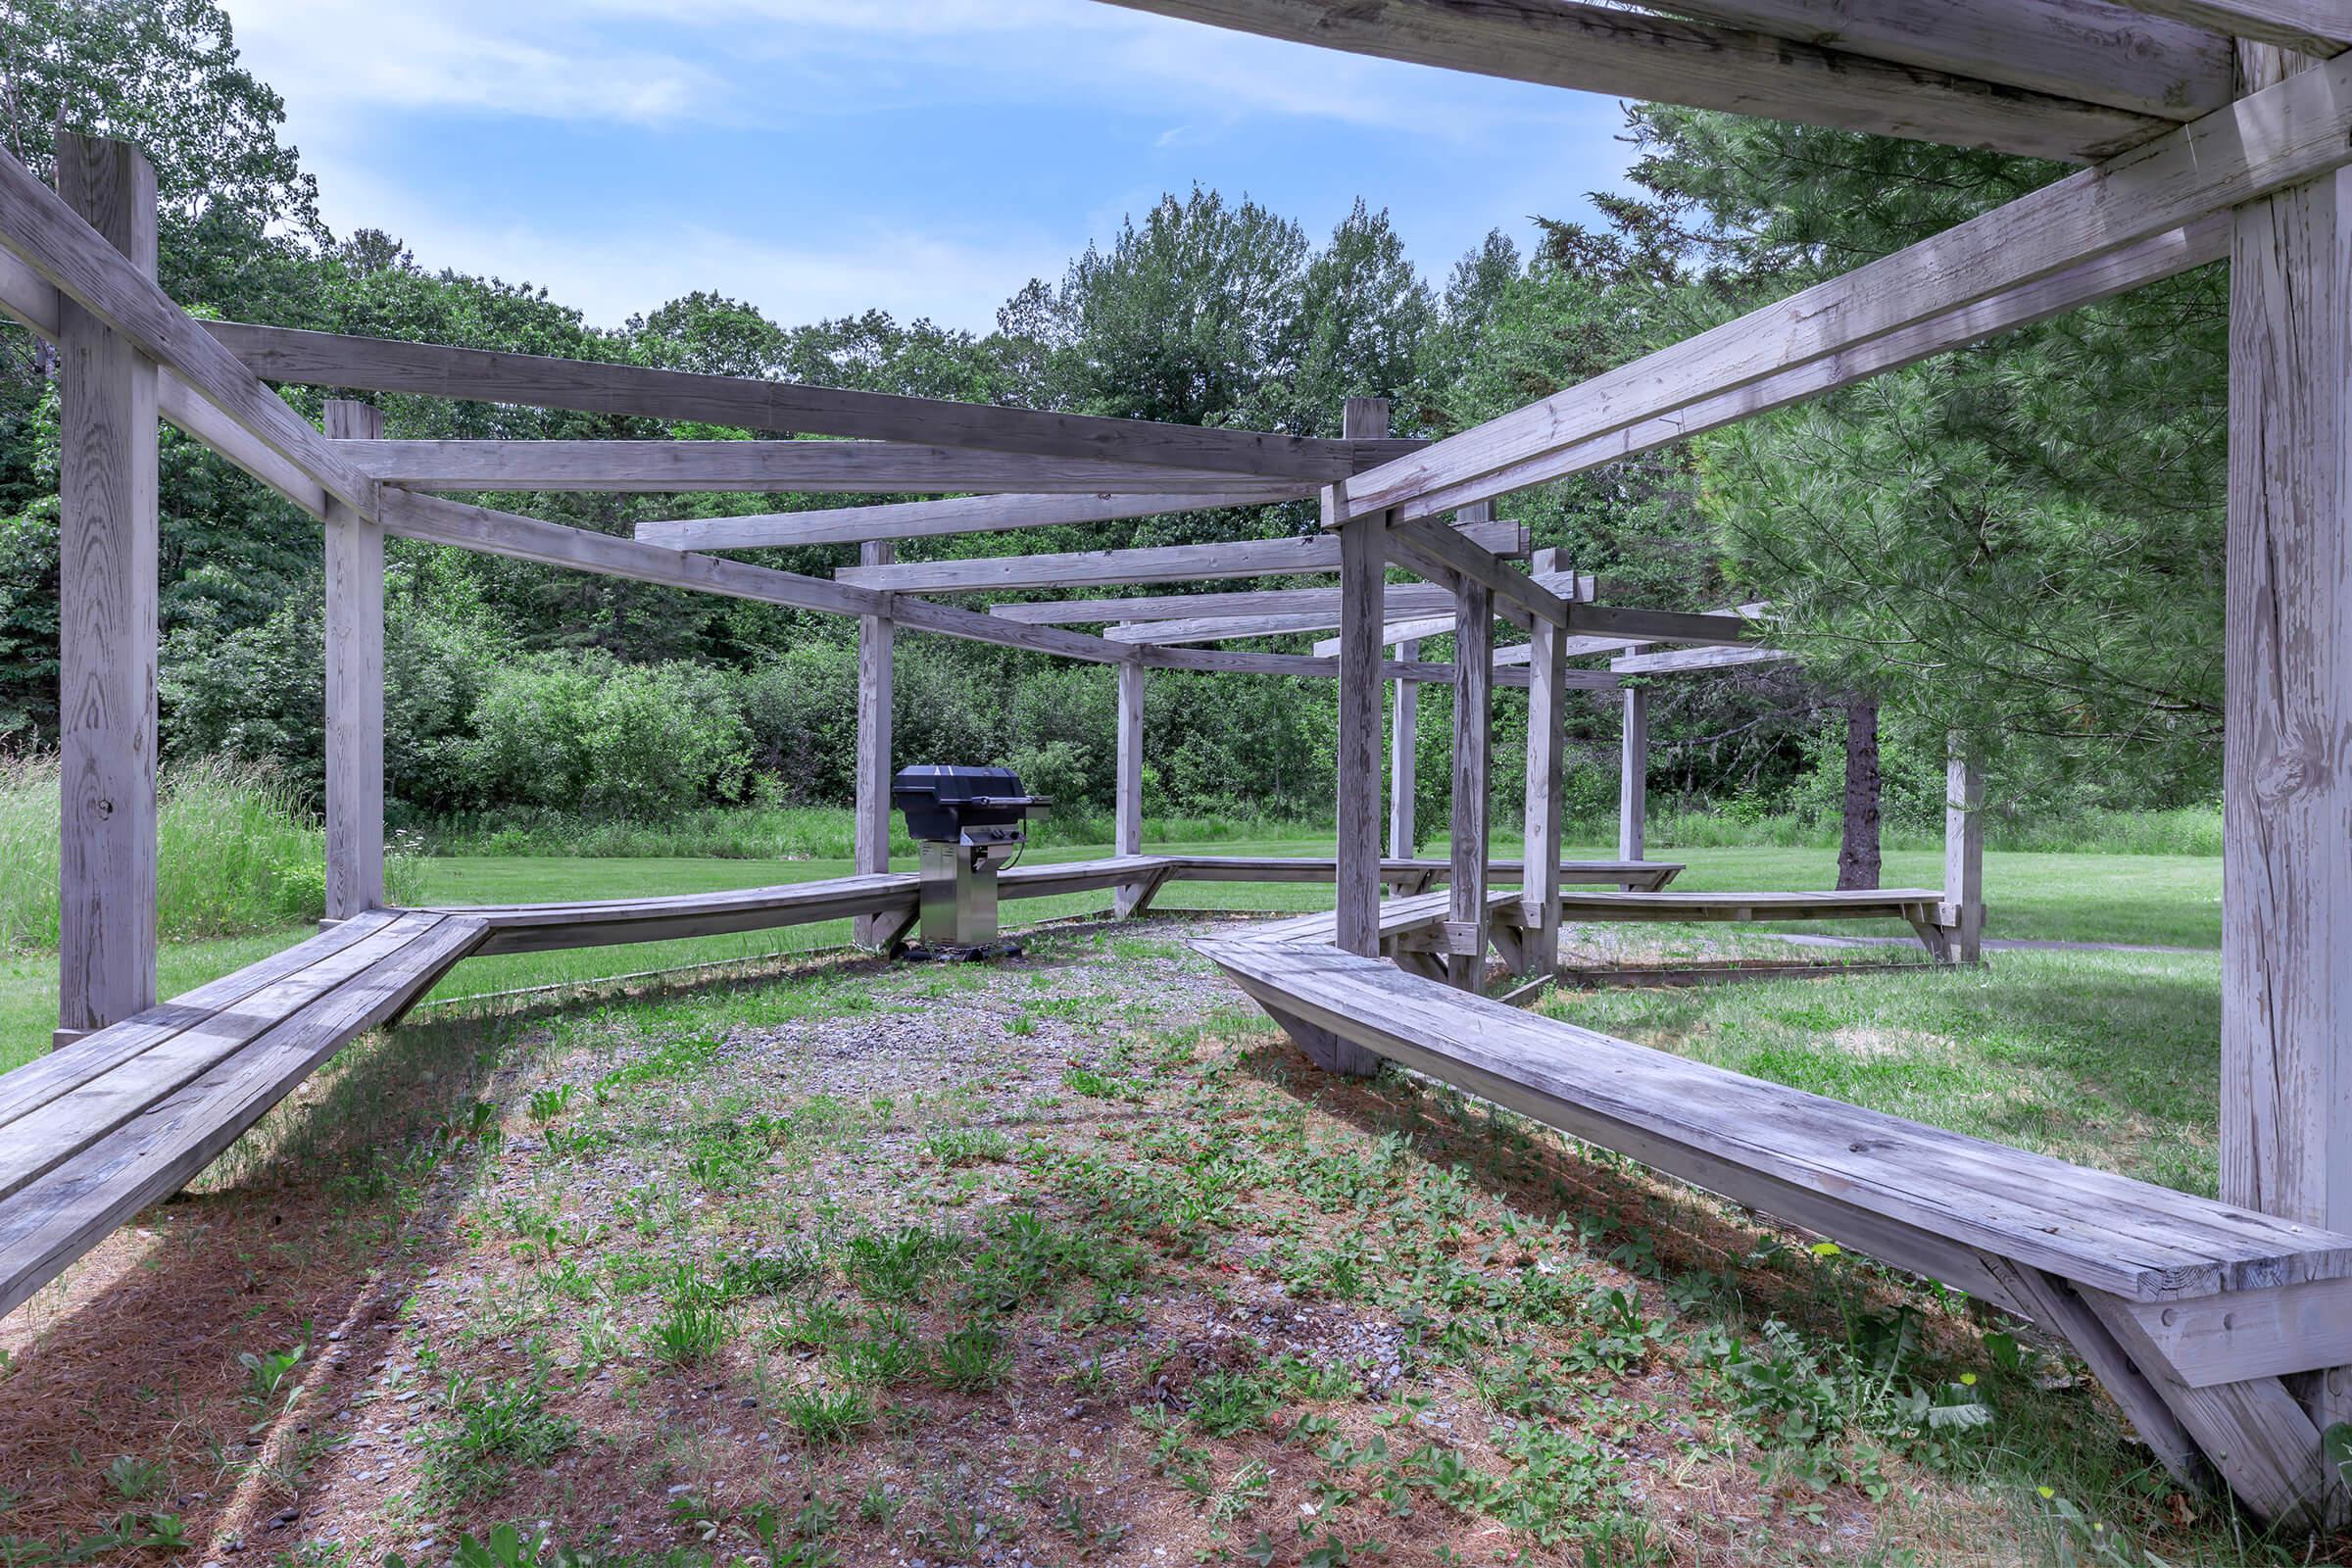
1859, 845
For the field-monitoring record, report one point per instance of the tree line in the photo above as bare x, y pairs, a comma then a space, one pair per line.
2019, 540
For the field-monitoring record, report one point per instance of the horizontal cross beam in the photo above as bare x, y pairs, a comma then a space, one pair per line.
592, 386
927, 519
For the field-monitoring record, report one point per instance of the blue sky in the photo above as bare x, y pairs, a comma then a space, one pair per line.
926, 157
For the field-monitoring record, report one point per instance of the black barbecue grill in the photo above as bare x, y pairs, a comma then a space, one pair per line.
968, 821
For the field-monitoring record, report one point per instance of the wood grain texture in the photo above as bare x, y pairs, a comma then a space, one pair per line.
2086, 49
876, 645
46, 234
1471, 792
1691, 659
2286, 990
1363, 570
1918, 1193
355, 689
1404, 733
1128, 800
1677, 409
1108, 568
849, 467
108, 585
2317, 27
1547, 737
1963, 913
2285, 135
380, 364
1633, 773
931, 519
1398, 598
1562, 43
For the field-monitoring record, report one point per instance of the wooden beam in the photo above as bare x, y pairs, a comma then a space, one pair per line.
1128, 828
877, 646
1572, 585
1363, 569
1423, 672
1583, 645
1464, 559
2286, 990
1467, 923
1964, 855
930, 520
1688, 658
1562, 43
1404, 724
108, 543
430, 369
2086, 49
1106, 569
46, 234
2307, 27
1398, 596
1547, 734
849, 467
1632, 775
355, 690
2293, 132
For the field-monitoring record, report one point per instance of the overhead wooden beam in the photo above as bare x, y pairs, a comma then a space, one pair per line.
1105, 569
1399, 598
1584, 646
1422, 672
2308, 27
431, 369
927, 519
1463, 558
1561, 43
1657, 625
46, 234
2293, 132
2091, 50
756, 465
1687, 658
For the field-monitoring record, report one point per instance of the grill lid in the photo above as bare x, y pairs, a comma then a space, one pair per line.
941, 801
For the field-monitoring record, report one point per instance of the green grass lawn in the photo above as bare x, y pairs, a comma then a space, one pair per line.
2173, 900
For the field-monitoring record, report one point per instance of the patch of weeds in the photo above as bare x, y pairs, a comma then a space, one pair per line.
1227, 1403
495, 1423
1099, 1085
743, 1274
693, 1325
825, 1415
549, 1104
268, 1375
968, 1146
889, 1351
814, 1325
971, 1359
895, 1267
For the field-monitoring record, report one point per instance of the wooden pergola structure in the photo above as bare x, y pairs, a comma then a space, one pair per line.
2209, 129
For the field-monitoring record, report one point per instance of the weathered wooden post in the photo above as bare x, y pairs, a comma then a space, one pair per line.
355, 688
876, 643
1404, 720
1466, 933
1633, 772
1540, 850
107, 627
1128, 833
1963, 912
2286, 868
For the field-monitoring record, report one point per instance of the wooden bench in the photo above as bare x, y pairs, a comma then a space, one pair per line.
2190, 1311
96, 1131
1405, 927
1922, 907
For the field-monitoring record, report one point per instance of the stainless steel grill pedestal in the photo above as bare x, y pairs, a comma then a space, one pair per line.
969, 822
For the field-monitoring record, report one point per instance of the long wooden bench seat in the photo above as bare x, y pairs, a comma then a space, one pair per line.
1414, 875
1397, 917
1922, 907
97, 1129
2189, 1310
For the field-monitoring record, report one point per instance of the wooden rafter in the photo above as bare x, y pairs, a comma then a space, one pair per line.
928, 519
2320, 28
432, 369
2286, 133
1109, 568
1562, 43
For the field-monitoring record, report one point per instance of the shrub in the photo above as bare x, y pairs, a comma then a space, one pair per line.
583, 730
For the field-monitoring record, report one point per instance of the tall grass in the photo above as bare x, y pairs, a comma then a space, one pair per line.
235, 854
783, 833
2190, 830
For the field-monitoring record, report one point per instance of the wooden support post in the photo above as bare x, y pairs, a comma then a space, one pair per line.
1632, 775
1128, 834
1473, 740
1539, 851
1963, 911
106, 591
1363, 568
1404, 722
2286, 854
876, 641
355, 688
